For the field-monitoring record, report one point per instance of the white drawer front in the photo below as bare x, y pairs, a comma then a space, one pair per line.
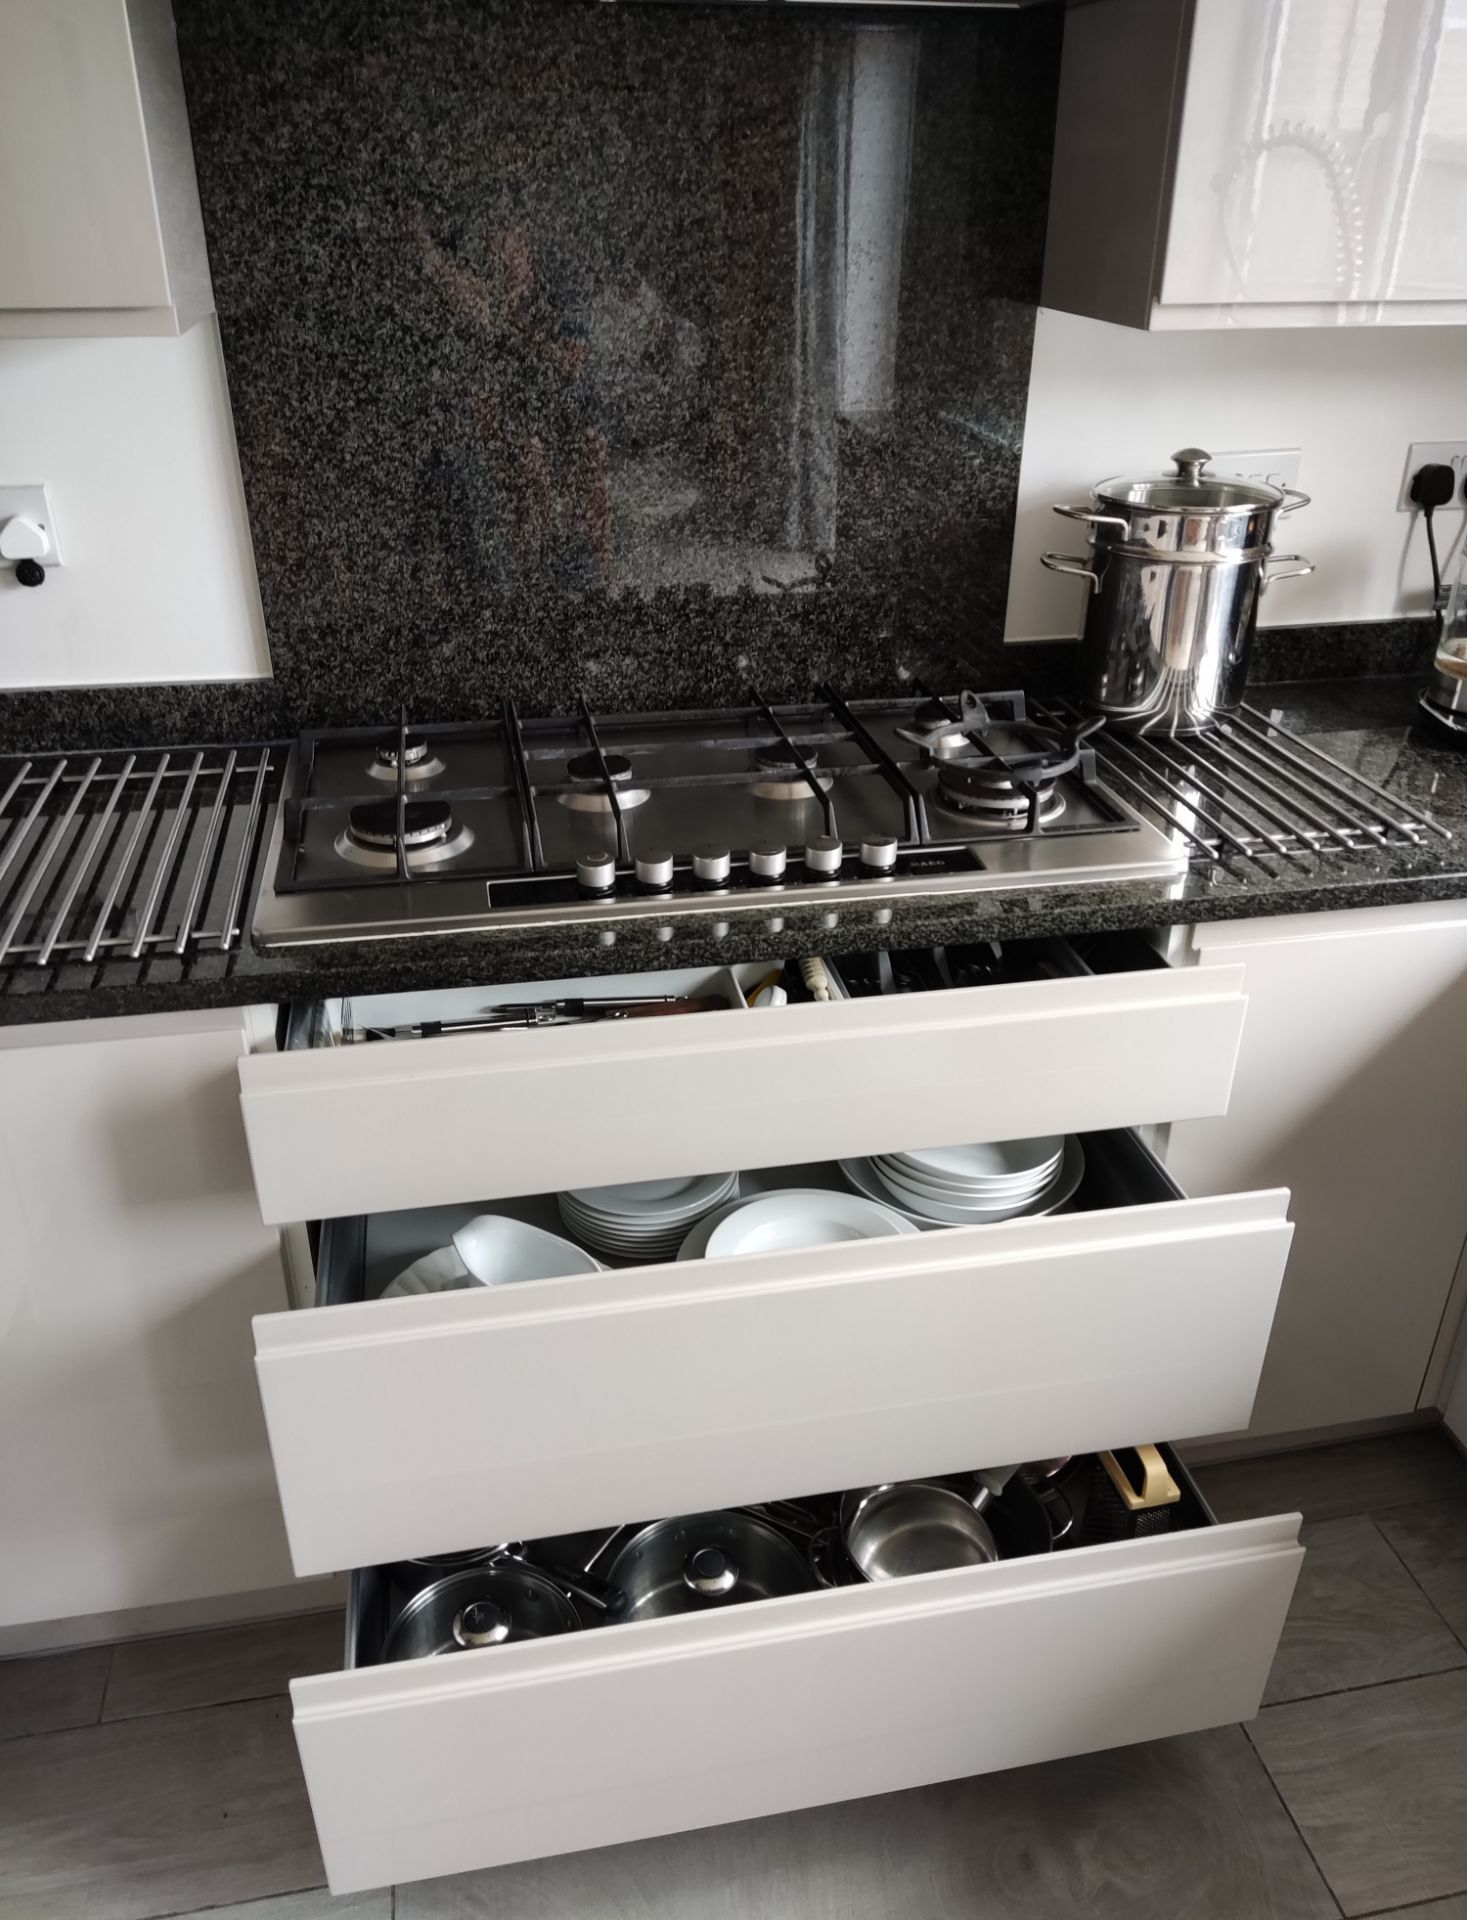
413, 1426
462, 1116
439, 1766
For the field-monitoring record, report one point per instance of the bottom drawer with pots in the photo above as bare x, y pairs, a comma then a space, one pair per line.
689, 1708
401, 1425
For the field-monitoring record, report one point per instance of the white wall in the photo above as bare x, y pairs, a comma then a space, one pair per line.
1106, 400
136, 442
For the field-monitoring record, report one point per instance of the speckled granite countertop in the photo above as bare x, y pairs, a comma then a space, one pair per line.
1367, 724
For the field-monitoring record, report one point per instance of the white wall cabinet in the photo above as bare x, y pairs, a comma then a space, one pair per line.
1227, 163
100, 227
1351, 1089
134, 1468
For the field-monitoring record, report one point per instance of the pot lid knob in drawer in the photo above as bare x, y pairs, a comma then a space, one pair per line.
711, 865
596, 872
709, 1570
823, 854
481, 1624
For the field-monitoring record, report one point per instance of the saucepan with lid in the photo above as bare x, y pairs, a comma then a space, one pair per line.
1177, 565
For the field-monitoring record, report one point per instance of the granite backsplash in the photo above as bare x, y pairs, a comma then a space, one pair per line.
621, 350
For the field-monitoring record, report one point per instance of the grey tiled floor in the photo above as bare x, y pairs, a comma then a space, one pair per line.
160, 1777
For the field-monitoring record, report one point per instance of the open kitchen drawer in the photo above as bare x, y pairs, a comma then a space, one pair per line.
513, 1752
406, 1426
337, 1129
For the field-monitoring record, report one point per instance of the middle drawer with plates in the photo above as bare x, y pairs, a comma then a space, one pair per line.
404, 1425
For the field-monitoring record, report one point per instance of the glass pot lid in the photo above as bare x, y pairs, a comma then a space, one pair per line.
1188, 489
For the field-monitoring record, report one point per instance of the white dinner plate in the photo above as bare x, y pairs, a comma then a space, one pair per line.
801, 1217
652, 1199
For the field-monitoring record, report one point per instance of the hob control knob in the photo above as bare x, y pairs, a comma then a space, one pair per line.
655, 869
823, 855
878, 855
596, 872
711, 865
768, 861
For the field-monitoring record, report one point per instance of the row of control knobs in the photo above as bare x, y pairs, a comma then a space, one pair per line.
712, 866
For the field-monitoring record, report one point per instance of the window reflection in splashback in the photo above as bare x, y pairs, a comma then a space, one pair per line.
642, 352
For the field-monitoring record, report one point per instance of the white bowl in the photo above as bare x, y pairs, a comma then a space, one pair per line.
867, 1180
961, 1190
801, 1217
440, 1271
498, 1251
984, 1161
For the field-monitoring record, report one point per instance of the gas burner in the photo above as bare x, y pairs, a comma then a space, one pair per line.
587, 792
999, 802
429, 835
786, 782
419, 762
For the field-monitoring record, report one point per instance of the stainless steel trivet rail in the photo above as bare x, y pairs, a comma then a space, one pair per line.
117, 854
1248, 787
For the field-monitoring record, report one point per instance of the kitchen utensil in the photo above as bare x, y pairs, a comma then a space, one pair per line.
1063, 1488
801, 1217
913, 1526
1018, 1521
1132, 1494
550, 1013
1177, 565
497, 1250
700, 1560
480, 1607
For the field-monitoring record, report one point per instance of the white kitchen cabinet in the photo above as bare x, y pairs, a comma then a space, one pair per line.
1266, 163
1351, 1089
100, 227
134, 1469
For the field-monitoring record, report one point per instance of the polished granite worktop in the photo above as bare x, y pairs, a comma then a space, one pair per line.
1369, 725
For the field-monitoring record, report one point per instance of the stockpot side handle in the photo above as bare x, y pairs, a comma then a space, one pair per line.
1293, 501
1071, 563
1290, 567
1090, 518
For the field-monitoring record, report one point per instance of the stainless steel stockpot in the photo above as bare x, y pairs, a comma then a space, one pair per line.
480, 1607
702, 1560
1177, 565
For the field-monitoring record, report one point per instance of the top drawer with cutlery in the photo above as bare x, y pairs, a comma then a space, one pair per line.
425, 1099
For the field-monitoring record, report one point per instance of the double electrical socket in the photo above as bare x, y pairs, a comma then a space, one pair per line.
1426, 453
1273, 466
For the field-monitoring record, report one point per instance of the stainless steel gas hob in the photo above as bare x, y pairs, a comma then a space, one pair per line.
518, 823
421, 830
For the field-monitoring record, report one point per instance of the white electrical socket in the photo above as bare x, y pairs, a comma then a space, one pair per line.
1273, 466
31, 503
1426, 453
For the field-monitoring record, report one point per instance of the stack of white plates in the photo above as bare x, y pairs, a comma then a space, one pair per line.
644, 1219
791, 1217
971, 1185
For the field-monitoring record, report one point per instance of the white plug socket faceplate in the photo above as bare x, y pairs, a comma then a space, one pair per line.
1270, 466
31, 503
1426, 453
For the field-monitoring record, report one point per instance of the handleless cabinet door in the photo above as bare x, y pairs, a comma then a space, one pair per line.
426, 1122
511, 1753
413, 1426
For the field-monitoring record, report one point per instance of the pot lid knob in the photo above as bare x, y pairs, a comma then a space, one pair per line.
1189, 464
481, 1623
709, 1570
